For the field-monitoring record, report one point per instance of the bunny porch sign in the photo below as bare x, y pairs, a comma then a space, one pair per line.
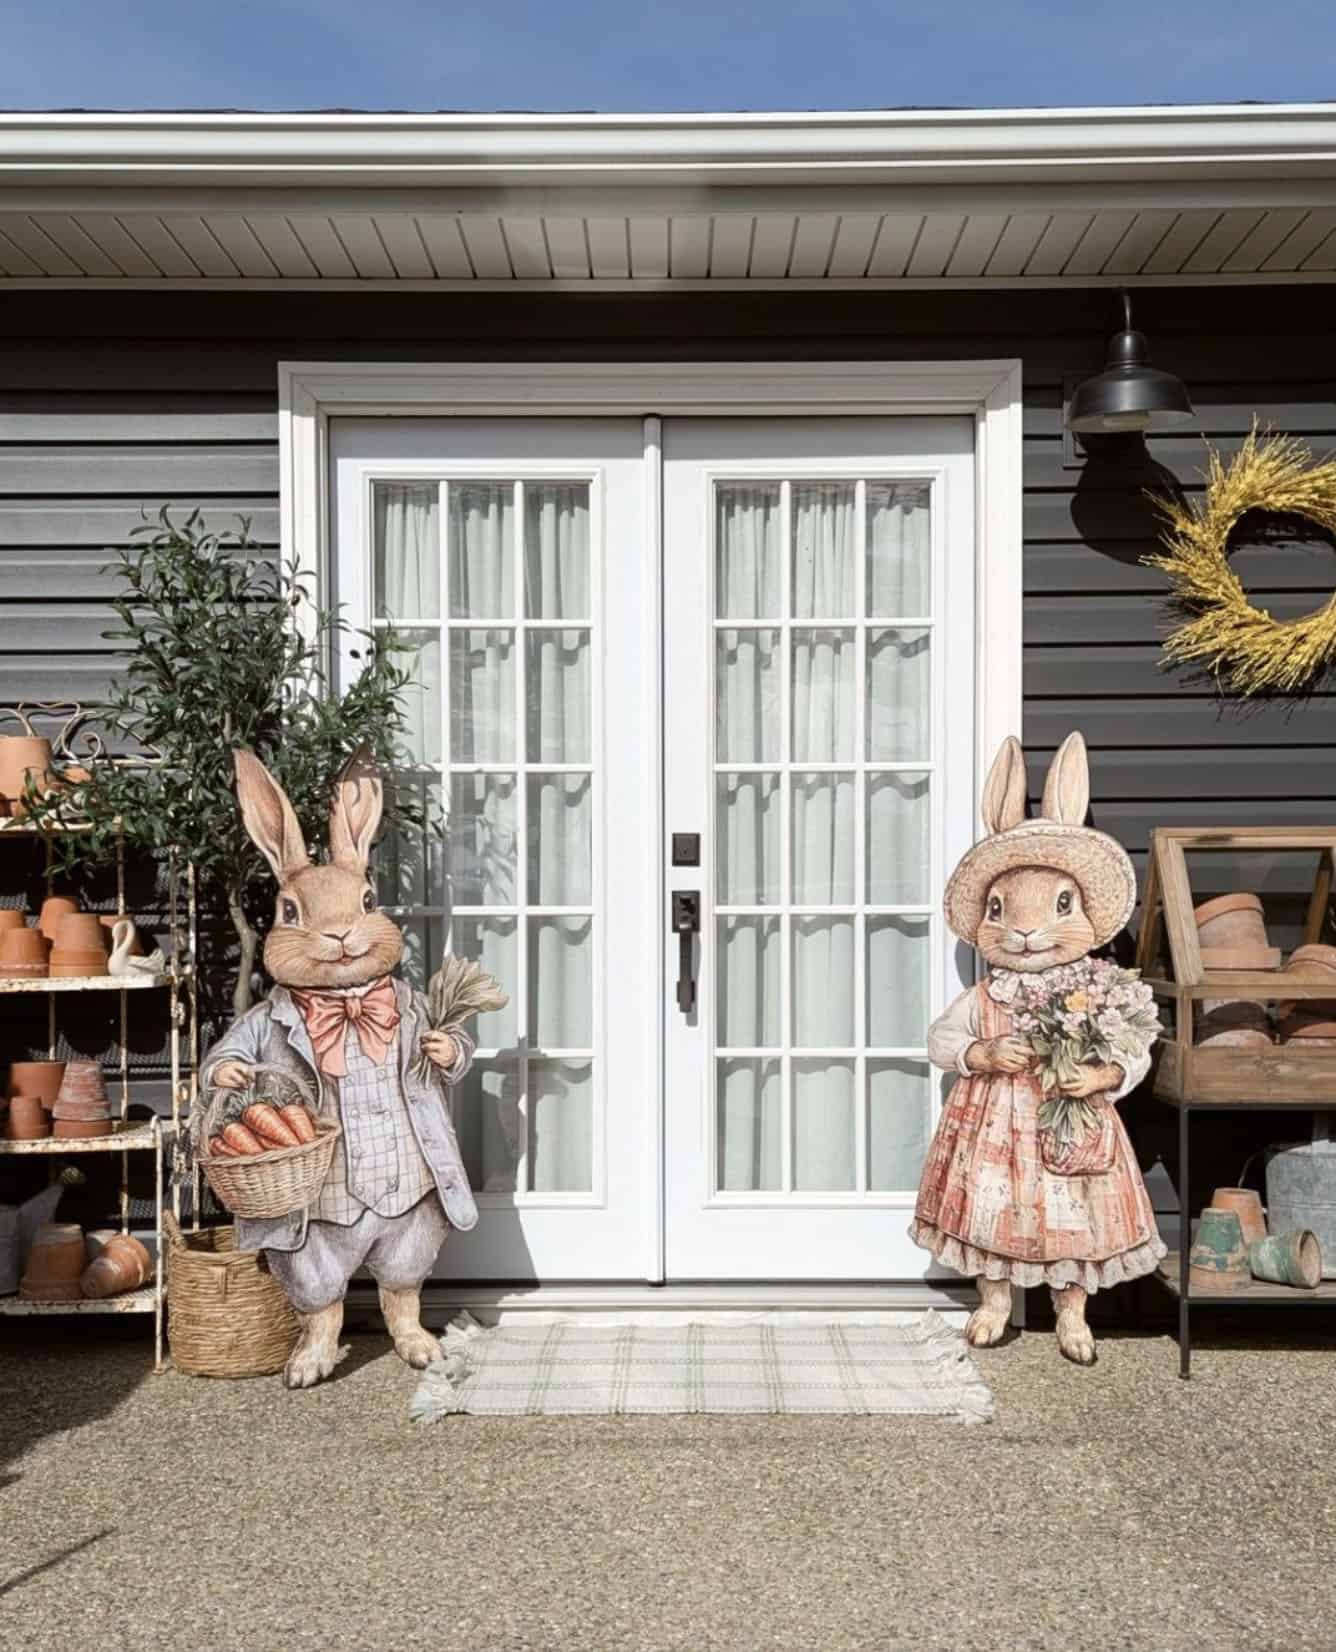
353, 1035
1030, 1178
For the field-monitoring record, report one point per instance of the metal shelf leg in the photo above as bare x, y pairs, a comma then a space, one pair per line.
1184, 1247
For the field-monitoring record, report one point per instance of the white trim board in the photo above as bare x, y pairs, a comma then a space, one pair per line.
310, 393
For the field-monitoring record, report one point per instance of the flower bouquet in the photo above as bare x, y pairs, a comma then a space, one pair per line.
459, 989
1088, 1011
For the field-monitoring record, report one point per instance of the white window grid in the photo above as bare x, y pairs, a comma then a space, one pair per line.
520, 1059
787, 770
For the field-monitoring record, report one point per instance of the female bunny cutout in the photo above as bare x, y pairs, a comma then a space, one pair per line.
340, 1022
1033, 896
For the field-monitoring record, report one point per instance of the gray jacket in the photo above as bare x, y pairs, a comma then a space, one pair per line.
273, 1034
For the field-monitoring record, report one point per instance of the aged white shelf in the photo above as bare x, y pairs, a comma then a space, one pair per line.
123, 1139
83, 983
142, 1301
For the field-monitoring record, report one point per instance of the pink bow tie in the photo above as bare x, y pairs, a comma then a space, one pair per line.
375, 1015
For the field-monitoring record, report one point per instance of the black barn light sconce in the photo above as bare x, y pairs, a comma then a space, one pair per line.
1130, 394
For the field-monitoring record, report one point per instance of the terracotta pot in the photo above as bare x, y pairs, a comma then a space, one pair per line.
1307, 1029
1235, 1024
12, 917
22, 755
82, 1109
36, 1078
1288, 1259
109, 920
1247, 1206
54, 1264
55, 909
1311, 963
1232, 932
83, 1082
24, 953
82, 932
70, 966
28, 1120
123, 1264
81, 1129
1218, 1260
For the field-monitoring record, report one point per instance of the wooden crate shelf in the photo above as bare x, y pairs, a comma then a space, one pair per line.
1249, 1295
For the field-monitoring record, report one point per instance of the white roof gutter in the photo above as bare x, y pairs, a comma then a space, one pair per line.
1291, 143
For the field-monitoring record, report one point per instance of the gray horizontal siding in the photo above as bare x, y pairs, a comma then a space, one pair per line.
111, 405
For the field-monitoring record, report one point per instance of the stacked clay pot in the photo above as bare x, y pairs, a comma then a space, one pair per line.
24, 953
1218, 1260
26, 1119
22, 756
55, 909
36, 1078
122, 1264
80, 947
1310, 1020
82, 1108
55, 1264
1232, 933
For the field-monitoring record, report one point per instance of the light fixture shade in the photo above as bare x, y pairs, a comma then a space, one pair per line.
1129, 394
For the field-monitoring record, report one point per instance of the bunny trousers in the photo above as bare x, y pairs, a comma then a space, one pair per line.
397, 1251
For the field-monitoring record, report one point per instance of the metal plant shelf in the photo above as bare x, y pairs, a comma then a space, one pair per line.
1195, 1078
141, 1301
123, 1139
85, 983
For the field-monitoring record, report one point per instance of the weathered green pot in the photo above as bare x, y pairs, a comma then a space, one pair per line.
1287, 1259
1219, 1258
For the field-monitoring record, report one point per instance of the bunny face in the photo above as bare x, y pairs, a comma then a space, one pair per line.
328, 929
1034, 918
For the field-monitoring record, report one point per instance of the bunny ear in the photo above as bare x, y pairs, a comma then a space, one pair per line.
270, 818
1067, 789
1004, 790
355, 811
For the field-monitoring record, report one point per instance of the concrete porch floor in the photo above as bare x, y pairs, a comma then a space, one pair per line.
1118, 1508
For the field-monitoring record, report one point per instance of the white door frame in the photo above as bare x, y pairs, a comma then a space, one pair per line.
311, 393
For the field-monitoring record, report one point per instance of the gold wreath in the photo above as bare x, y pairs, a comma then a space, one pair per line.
1248, 649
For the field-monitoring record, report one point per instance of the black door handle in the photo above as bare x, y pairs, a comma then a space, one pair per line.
686, 921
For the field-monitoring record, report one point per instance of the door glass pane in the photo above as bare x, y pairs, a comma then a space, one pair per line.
560, 839
482, 550
898, 843
406, 551
823, 982
898, 690
824, 709
483, 845
899, 550
747, 550
421, 698
824, 1130
897, 982
749, 691
559, 702
408, 862
482, 697
823, 839
747, 839
492, 942
489, 1121
561, 1013
556, 551
899, 1095
751, 1122
825, 551
561, 1118
748, 968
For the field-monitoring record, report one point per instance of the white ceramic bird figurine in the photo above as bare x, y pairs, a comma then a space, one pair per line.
123, 962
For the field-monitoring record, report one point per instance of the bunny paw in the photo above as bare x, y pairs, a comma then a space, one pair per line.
311, 1364
418, 1348
1076, 1340
986, 1327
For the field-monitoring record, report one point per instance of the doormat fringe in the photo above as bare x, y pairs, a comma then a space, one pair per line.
570, 1368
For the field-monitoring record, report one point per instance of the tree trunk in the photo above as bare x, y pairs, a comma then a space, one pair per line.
242, 997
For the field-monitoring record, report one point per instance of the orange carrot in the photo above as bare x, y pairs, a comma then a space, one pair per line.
269, 1124
241, 1140
220, 1149
299, 1121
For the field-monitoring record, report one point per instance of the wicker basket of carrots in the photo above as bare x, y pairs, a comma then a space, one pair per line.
264, 1149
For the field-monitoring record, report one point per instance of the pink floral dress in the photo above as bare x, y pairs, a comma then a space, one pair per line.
986, 1202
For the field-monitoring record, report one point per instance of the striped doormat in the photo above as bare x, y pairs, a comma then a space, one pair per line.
583, 1368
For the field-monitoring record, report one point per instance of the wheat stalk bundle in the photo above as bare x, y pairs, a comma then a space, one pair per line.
458, 991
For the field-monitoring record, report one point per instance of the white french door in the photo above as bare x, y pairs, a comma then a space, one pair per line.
745, 642
819, 697
510, 556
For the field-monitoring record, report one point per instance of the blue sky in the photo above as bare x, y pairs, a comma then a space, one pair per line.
679, 55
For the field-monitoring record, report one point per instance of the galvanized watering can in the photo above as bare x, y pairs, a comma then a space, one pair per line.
1301, 1188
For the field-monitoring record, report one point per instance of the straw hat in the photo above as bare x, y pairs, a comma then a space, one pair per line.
1101, 868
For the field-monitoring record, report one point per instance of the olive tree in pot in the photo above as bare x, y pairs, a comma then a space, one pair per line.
222, 647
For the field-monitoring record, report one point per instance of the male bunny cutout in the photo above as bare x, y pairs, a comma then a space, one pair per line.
339, 1021
1032, 896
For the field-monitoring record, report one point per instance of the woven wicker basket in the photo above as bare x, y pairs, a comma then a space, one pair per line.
227, 1315
285, 1178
